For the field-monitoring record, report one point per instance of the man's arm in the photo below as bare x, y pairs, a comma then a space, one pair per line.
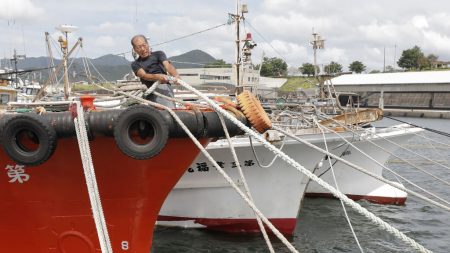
170, 69
151, 77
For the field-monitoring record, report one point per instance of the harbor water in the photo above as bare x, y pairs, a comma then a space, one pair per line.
322, 226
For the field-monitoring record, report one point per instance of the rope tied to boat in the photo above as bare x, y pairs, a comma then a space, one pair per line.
244, 181
337, 186
91, 182
303, 170
367, 138
219, 169
287, 159
366, 135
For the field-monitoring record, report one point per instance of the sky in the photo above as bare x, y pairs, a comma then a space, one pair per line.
373, 32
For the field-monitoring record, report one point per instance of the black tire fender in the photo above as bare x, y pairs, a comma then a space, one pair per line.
28, 139
144, 122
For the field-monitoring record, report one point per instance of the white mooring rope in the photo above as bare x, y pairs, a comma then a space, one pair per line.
303, 170
244, 181
391, 171
287, 159
359, 168
219, 169
91, 182
337, 187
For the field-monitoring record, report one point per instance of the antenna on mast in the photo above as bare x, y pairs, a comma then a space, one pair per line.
236, 18
64, 43
15, 59
318, 43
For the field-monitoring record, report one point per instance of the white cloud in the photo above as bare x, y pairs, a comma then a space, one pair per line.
353, 31
420, 22
20, 10
332, 54
112, 28
293, 53
218, 42
389, 33
105, 42
437, 42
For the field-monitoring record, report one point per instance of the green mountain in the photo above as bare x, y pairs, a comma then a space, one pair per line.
192, 59
110, 60
110, 67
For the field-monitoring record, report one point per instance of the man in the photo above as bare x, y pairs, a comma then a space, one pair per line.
151, 67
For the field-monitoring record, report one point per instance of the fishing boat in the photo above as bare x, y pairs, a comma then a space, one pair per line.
138, 153
7, 93
202, 198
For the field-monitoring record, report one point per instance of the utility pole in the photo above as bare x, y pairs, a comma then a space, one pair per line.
236, 18
395, 57
384, 59
317, 43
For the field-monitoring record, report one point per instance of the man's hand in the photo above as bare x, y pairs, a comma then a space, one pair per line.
172, 80
162, 78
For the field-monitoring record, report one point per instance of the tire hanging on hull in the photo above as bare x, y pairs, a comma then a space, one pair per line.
141, 132
28, 139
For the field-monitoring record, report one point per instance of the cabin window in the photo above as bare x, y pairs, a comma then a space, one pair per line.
4, 98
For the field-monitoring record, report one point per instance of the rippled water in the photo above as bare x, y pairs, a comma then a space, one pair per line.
322, 226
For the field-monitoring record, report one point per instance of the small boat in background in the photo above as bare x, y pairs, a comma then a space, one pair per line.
7, 94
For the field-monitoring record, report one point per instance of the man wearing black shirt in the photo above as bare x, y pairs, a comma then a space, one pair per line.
151, 67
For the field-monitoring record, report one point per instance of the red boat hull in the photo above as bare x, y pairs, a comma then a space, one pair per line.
285, 226
47, 209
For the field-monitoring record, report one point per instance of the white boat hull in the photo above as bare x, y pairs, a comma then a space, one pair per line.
357, 185
202, 198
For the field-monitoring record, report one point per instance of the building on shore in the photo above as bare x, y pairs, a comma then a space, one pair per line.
226, 78
401, 90
219, 76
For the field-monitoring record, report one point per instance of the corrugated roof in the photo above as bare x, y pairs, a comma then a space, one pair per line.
394, 78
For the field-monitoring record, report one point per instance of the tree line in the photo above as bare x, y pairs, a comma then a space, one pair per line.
411, 59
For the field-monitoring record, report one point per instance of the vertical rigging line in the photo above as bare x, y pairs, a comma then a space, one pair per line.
135, 11
23, 40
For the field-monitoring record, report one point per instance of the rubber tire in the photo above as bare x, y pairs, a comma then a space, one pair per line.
127, 145
43, 131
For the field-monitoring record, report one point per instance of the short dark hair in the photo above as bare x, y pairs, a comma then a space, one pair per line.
138, 36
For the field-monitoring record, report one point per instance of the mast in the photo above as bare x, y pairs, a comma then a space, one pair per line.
57, 69
15, 59
64, 48
50, 54
64, 43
